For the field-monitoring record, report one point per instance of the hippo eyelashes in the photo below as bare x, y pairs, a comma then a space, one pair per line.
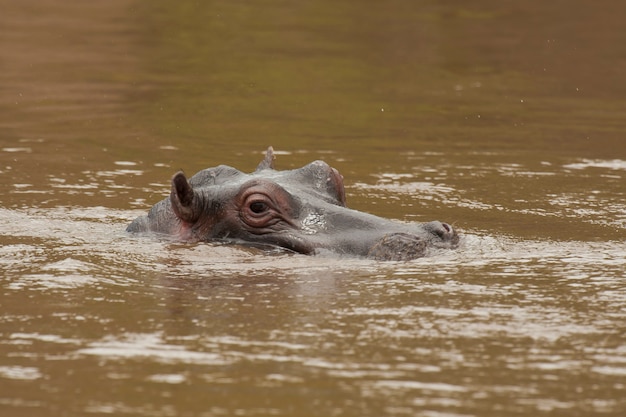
302, 210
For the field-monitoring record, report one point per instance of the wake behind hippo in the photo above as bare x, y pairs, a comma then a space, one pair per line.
302, 210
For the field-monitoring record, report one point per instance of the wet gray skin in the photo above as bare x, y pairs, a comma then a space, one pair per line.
302, 210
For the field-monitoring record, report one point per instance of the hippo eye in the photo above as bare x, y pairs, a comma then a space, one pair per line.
264, 207
258, 207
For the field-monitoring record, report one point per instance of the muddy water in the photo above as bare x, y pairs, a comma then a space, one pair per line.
504, 119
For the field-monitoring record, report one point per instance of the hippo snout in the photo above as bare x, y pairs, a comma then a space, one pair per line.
442, 230
401, 246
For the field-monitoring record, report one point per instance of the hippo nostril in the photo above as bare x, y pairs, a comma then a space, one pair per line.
442, 230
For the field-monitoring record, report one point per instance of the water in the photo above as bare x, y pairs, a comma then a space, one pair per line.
505, 120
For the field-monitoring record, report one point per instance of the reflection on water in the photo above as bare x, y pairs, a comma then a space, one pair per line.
500, 324
430, 110
506, 324
568, 193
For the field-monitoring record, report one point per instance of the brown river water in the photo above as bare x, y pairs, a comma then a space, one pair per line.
506, 119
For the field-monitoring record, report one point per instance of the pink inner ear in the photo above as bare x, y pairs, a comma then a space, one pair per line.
184, 192
182, 199
337, 178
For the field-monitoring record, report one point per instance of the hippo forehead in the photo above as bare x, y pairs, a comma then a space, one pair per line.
317, 179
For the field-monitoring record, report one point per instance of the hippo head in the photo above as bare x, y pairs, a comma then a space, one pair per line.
302, 210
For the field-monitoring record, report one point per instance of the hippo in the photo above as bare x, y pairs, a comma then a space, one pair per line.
301, 210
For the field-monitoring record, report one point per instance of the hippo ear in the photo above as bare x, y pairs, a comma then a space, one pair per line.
268, 162
184, 199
